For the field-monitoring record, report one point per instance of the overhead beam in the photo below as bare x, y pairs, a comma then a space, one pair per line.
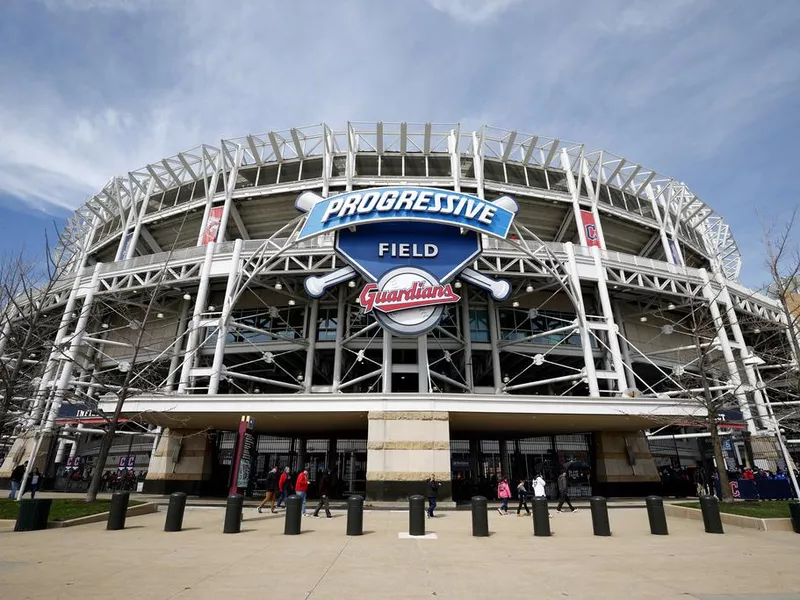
531, 148
509, 145
237, 219
149, 240
254, 150
551, 153
298, 146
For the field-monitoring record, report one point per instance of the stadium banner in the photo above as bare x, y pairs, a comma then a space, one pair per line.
212, 226
408, 243
590, 228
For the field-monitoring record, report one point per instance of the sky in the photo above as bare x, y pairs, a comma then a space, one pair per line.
703, 91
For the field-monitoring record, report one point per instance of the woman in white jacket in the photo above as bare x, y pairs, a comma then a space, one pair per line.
538, 489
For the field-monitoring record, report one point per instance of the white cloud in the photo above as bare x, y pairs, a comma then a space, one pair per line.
473, 11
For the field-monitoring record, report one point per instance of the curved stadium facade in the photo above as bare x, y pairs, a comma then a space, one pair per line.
560, 343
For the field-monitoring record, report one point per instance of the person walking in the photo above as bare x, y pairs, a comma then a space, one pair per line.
33, 484
504, 493
325, 490
17, 475
432, 491
284, 485
539, 489
301, 488
272, 490
522, 494
563, 489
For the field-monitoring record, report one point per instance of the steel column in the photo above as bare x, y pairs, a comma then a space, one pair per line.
727, 353
494, 338
311, 336
227, 306
583, 325
194, 332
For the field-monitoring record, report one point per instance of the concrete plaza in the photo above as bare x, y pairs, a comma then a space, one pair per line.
201, 562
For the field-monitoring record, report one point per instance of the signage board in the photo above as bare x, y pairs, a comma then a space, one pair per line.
408, 243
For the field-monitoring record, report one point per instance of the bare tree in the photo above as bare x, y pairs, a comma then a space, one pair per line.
27, 328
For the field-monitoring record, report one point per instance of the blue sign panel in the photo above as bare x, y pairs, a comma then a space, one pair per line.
408, 204
376, 249
409, 243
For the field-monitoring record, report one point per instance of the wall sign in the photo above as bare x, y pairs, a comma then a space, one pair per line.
409, 243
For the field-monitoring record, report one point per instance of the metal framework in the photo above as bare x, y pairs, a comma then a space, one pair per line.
567, 334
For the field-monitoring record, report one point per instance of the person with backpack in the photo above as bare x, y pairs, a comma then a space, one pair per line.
432, 492
504, 493
272, 490
522, 494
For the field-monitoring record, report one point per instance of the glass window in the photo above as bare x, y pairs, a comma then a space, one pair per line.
479, 324
326, 324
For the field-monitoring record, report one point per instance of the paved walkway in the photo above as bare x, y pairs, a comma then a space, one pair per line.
201, 562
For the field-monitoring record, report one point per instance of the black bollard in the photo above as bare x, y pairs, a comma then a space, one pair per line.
656, 516
712, 520
294, 507
233, 514
355, 515
541, 517
480, 517
599, 508
794, 513
118, 511
416, 515
177, 504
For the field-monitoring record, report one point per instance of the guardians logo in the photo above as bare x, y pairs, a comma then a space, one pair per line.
409, 243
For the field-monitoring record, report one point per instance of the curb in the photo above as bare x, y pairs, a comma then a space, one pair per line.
133, 511
695, 514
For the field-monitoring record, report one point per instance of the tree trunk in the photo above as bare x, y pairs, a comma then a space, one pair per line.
719, 458
105, 444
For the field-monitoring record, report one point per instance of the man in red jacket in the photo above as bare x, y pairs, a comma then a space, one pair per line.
301, 488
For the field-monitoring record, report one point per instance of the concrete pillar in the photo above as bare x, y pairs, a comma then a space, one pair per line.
623, 464
181, 462
403, 450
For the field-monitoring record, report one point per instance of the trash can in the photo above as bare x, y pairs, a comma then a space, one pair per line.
794, 512
33, 514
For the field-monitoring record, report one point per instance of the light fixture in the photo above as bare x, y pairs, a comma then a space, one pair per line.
515, 304
300, 377
457, 285
643, 319
187, 296
351, 284
211, 308
529, 288
160, 316
105, 325
670, 306
292, 302
279, 286
756, 330
257, 390
506, 379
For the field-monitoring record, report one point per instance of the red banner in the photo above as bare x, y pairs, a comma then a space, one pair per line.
212, 227
590, 228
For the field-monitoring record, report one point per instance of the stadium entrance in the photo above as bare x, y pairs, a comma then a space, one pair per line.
346, 457
478, 463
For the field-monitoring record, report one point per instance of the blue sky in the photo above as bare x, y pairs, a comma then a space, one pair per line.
706, 92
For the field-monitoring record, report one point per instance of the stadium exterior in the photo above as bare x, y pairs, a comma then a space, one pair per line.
558, 345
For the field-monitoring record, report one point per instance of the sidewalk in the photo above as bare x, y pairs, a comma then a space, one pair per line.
322, 563
163, 500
